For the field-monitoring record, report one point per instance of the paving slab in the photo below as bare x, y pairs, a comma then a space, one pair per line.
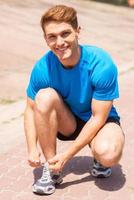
22, 43
16, 177
103, 25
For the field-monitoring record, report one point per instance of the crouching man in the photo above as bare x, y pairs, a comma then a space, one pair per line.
70, 96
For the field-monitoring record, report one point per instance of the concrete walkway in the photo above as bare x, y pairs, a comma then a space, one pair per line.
111, 28
22, 43
16, 177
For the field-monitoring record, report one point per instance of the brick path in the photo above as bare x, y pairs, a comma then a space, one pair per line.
22, 43
16, 177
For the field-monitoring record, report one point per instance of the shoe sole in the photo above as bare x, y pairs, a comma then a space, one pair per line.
102, 174
40, 190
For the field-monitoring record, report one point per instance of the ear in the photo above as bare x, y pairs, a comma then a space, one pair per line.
45, 38
78, 31
44, 35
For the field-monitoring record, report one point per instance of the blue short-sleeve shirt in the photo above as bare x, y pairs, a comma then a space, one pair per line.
94, 76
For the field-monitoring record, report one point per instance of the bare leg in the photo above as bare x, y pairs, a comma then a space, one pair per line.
51, 116
46, 126
107, 145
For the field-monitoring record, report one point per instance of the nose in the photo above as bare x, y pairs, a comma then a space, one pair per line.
60, 41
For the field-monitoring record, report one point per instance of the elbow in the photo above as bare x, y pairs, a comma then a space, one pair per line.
100, 120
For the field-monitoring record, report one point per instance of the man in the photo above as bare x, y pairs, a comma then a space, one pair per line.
70, 96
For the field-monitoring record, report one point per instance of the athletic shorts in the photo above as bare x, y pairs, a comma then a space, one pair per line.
80, 124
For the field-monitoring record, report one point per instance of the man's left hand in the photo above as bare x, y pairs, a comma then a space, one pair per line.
57, 163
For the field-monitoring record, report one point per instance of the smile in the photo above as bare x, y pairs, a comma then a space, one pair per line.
62, 49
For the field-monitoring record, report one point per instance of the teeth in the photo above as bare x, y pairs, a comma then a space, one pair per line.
61, 49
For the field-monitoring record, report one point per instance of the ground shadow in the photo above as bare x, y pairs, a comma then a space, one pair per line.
80, 165
115, 182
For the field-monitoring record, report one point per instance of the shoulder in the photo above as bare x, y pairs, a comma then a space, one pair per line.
43, 68
95, 53
100, 57
96, 59
45, 63
101, 63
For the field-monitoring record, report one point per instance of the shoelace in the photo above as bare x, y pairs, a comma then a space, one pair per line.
98, 164
46, 175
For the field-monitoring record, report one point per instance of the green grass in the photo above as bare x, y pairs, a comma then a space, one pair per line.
6, 101
116, 2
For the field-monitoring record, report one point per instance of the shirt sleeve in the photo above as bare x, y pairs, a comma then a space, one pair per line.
105, 79
38, 79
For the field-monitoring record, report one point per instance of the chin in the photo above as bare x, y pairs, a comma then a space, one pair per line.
65, 57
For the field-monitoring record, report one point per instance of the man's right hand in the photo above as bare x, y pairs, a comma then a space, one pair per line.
34, 159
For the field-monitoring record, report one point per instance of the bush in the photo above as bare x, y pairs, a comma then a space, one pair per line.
119, 2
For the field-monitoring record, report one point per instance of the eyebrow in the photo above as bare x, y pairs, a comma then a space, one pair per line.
67, 30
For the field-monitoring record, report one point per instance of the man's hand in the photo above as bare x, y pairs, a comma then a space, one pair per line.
34, 159
57, 163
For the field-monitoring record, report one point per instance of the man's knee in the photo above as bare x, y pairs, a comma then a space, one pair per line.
107, 154
46, 99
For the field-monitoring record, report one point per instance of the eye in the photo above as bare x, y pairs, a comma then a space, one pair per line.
65, 34
51, 37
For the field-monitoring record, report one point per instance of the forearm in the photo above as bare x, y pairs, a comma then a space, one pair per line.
30, 131
85, 137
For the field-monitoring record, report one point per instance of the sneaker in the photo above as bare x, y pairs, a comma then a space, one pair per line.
99, 171
46, 184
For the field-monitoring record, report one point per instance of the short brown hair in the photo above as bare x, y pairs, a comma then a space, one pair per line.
60, 13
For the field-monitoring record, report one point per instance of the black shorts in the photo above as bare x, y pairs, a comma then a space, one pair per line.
80, 124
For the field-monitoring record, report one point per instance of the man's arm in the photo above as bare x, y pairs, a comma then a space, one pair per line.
31, 136
100, 111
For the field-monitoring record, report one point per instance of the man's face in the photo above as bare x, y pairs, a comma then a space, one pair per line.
62, 39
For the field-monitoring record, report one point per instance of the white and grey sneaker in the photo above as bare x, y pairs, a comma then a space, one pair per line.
99, 171
46, 184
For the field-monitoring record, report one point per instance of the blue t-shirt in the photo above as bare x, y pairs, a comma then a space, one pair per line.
94, 76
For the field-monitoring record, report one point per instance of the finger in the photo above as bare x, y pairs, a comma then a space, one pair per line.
53, 160
34, 163
56, 168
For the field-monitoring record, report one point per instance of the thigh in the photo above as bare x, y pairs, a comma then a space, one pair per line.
74, 135
50, 101
110, 137
66, 120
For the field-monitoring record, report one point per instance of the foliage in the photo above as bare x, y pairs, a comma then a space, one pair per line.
119, 2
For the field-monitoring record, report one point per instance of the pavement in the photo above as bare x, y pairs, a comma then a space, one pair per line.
21, 39
16, 177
